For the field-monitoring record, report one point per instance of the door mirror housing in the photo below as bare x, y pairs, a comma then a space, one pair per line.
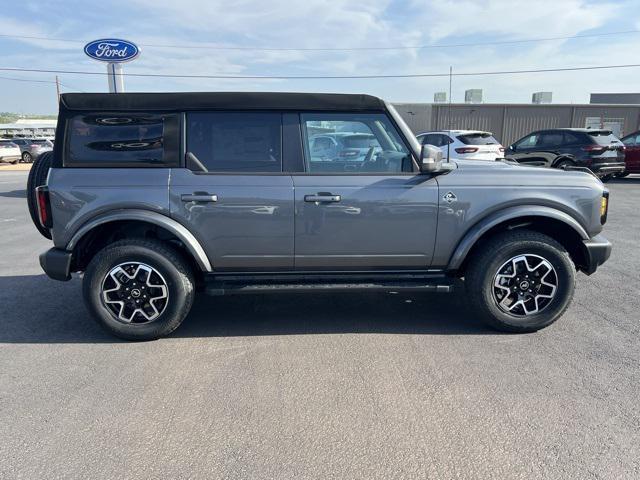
430, 159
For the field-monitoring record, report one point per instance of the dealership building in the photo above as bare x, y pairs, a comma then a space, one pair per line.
511, 121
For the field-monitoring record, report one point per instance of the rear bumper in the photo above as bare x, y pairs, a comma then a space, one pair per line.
9, 158
607, 168
56, 263
598, 251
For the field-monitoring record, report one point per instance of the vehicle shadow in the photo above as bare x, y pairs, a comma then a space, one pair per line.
39, 310
14, 194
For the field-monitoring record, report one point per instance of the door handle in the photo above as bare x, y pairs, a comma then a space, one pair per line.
322, 198
199, 197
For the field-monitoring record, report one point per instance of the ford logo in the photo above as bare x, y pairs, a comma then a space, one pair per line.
111, 50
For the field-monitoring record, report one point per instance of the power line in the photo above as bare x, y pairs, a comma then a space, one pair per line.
339, 49
324, 77
29, 80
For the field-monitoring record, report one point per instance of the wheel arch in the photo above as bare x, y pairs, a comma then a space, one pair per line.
554, 223
141, 223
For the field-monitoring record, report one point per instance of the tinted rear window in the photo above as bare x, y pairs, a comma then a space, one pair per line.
604, 138
478, 139
116, 140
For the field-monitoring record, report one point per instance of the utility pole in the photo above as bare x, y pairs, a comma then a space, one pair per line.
449, 111
58, 88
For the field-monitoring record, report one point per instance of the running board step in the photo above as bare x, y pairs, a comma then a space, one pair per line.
231, 288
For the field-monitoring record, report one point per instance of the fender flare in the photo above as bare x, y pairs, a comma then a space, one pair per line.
483, 226
179, 230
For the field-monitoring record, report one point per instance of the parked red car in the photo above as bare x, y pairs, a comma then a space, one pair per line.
632, 153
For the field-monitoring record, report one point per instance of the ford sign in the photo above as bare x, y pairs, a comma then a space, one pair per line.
111, 50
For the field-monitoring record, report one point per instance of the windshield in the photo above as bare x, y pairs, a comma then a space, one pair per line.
360, 141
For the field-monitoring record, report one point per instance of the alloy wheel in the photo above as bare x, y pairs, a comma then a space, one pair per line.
525, 285
134, 292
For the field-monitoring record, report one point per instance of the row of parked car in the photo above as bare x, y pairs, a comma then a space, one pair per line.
22, 149
596, 149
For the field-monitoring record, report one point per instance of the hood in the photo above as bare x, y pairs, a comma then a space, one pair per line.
501, 172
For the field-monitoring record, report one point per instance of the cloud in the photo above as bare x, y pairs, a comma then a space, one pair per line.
334, 24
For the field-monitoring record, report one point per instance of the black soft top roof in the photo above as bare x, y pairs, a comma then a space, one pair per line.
219, 101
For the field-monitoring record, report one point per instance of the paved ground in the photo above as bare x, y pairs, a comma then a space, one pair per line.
343, 386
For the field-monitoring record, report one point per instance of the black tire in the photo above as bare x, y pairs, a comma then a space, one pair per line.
27, 157
606, 178
564, 163
37, 177
622, 175
166, 261
494, 254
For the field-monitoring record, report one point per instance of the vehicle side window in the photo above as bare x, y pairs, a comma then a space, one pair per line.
446, 140
571, 138
550, 139
236, 141
529, 141
362, 143
96, 140
631, 141
434, 139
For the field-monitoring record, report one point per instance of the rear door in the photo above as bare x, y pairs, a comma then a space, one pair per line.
232, 192
369, 213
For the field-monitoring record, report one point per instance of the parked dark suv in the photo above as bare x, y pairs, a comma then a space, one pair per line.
598, 150
156, 196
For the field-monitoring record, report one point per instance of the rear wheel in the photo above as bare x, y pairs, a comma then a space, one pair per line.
564, 164
27, 157
520, 281
38, 177
139, 289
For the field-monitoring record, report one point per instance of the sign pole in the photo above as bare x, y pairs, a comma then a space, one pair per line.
116, 78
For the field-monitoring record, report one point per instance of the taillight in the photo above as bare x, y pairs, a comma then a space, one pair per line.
466, 149
594, 149
44, 206
502, 149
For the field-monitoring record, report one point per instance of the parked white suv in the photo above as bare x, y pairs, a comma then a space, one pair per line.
464, 144
9, 152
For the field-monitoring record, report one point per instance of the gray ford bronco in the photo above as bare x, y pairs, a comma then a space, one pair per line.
156, 196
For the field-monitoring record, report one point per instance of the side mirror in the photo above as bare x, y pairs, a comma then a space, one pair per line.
430, 159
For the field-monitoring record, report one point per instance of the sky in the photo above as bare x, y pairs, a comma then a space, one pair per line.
311, 24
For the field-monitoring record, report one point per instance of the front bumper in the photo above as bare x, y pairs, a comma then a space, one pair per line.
56, 263
598, 251
10, 158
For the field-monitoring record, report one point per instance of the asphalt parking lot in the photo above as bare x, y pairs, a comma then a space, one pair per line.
322, 386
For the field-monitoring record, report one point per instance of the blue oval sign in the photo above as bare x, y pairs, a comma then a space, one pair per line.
111, 50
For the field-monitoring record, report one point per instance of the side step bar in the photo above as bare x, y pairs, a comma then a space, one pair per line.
226, 287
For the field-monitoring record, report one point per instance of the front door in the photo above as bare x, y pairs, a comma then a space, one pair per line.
364, 207
233, 195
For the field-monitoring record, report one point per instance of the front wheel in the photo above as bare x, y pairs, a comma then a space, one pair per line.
520, 281
139, 289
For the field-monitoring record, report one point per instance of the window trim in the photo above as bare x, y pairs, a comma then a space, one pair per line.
170, 142
307, 154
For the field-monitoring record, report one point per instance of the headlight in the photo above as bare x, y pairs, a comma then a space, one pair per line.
604, 207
